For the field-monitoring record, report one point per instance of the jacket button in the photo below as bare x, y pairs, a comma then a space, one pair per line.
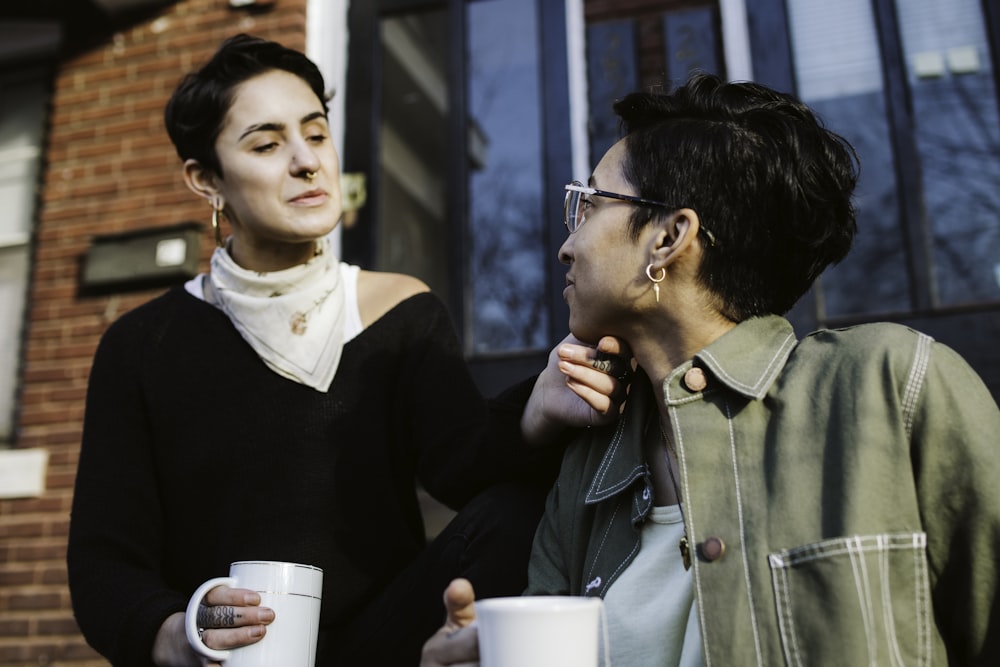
713, 548
694, 379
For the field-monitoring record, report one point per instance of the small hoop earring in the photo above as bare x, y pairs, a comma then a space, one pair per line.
656, 281
216, 210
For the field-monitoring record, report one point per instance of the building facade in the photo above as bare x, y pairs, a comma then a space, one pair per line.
458, 122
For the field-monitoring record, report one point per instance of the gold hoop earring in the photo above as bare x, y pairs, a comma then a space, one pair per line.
656, 281
216, 210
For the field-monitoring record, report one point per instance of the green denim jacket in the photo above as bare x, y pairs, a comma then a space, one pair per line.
843, 493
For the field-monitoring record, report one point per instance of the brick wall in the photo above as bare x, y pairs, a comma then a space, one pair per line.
110, 168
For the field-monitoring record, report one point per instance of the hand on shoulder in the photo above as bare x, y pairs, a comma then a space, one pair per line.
379, 292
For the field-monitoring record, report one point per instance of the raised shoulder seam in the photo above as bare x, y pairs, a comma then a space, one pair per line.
915, 379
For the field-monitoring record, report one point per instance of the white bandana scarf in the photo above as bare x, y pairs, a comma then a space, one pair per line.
293, 319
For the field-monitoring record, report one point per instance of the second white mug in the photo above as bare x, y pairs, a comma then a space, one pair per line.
539, 631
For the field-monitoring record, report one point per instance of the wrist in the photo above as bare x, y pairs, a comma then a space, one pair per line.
171, 648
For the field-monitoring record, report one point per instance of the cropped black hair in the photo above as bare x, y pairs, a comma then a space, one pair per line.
771, 183
197, 109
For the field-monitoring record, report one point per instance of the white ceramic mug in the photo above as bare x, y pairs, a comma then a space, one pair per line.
292, 590
539, 631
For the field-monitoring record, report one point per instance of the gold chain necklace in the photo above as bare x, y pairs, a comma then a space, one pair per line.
668, 449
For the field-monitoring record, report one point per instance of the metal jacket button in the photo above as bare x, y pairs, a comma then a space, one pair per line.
694, 379
713, 548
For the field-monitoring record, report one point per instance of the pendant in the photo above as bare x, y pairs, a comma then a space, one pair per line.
685, 552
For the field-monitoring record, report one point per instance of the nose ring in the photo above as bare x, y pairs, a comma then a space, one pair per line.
310, 175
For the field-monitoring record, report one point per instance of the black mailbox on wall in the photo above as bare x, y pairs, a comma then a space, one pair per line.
142, 259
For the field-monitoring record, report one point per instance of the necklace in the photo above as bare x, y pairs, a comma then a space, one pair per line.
668, 449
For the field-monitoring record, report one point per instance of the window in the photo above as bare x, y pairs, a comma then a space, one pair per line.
508, 307
929, 225
23, 97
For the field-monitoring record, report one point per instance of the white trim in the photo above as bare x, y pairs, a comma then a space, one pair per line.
22, 472
736, 39
14, 240
20, 153
576, 71
326, 45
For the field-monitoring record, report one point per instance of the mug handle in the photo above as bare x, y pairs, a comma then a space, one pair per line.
191, 618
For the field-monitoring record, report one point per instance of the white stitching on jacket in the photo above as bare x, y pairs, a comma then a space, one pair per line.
743, 541
887, 618
915, 381
864, 595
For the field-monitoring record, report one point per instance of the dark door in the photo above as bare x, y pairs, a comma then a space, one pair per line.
457, 114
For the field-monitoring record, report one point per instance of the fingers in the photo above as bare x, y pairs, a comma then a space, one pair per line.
236, 597
233, 637
589, 378
456, 644
459, 648
611, 357
232, 617
459, 602
614, 346
599, 375
227, 616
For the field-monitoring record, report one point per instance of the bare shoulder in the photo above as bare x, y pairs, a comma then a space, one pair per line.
380, 292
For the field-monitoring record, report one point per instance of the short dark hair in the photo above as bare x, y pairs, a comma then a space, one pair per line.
770, 182
197, 109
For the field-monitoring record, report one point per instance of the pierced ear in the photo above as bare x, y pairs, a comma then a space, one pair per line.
675, 236
201, 181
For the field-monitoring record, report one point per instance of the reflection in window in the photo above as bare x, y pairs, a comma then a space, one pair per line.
958, 138
412, 230
23, 98
847, 93
506, 303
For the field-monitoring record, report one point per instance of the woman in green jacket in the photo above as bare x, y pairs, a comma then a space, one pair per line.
763, 500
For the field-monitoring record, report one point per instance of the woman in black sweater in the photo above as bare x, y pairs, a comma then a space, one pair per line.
285, 405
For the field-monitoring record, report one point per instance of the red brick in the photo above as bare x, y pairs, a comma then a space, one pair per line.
10, 627
34, 602
62, 625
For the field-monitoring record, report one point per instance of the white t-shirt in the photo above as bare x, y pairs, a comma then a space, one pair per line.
651, 610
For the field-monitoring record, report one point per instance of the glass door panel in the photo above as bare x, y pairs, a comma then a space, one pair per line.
847, 93
507, 292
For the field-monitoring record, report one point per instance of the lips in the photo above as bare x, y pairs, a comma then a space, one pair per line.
310, 198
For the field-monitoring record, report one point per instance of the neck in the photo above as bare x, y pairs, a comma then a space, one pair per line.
666, 341
272, 256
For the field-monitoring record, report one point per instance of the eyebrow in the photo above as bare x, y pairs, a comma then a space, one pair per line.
279, 127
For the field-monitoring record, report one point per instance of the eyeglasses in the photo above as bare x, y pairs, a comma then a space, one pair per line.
574, 215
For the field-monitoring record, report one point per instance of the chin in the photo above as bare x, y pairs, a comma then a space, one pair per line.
582, 332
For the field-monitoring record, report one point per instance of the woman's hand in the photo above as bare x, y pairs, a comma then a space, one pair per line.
456, 644
230, 617
582, 385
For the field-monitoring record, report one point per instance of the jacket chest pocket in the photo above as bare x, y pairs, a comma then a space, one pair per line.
862, 600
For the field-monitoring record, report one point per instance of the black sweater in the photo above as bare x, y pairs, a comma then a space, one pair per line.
195, 455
